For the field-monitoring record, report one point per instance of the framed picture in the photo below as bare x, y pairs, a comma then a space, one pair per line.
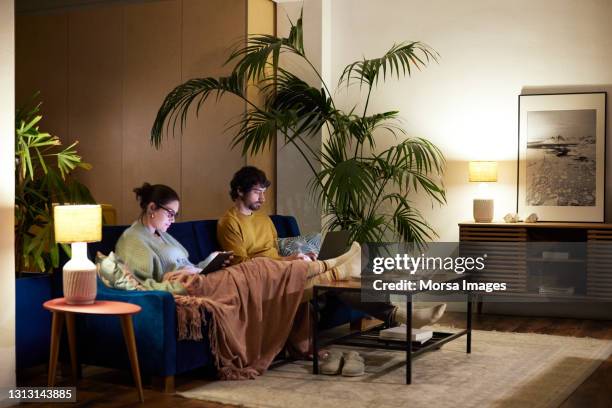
561, 163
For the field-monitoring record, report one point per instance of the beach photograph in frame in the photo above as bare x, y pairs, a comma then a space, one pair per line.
561, 157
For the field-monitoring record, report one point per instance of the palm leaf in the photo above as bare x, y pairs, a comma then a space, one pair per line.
347, 182
258, 129
400, 60
415, 163
263, 50
312, 106
408, 221
177, 103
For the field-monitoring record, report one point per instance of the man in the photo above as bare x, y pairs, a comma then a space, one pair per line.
244, 231
250, 234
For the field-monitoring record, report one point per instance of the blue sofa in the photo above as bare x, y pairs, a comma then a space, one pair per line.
160, 353
32, 321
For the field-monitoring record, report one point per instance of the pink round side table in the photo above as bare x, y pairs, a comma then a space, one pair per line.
63, 311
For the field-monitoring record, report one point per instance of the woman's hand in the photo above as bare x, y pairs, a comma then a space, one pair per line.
189, 270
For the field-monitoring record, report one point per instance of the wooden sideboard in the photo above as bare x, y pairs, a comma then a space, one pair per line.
518, 259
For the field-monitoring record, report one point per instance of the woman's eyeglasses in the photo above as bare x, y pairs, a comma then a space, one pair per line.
171, 213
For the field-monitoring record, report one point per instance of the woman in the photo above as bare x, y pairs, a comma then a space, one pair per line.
253, 304
147, 248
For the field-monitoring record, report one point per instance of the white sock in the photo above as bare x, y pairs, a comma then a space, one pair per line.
347, 264
333, 262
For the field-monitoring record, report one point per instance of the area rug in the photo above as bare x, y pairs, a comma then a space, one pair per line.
504, 370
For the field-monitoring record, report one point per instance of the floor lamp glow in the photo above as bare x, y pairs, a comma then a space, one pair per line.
483, 172
78, 225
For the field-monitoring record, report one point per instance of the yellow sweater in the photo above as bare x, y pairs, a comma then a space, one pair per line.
249, 236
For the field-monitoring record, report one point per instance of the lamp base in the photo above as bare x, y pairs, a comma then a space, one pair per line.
483, 210
79, 277
80, 286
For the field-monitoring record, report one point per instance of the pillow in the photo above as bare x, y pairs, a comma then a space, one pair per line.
114, 273
302, 244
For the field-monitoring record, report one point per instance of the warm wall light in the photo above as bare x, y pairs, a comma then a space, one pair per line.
77, 225
483, 172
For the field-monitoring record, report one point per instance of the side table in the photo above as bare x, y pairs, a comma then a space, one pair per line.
63, 311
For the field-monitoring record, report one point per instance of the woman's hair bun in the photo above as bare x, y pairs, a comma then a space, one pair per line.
143, 194
157, 193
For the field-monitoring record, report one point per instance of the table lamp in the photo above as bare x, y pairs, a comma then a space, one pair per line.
78, 225
483, 172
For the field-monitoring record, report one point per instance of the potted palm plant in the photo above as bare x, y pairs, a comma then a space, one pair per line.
360, 188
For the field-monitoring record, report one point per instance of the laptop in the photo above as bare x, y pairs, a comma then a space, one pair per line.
334, 244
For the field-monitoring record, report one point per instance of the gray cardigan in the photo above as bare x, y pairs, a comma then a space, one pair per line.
150, 256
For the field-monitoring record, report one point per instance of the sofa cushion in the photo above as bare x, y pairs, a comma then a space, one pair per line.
302, 244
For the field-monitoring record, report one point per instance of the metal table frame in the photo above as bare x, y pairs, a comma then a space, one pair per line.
369, 338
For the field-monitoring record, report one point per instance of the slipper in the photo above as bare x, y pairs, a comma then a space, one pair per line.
353, 365
332, 365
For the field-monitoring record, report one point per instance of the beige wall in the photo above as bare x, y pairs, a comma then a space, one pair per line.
7, 199
293, 174
491, 51
106, 70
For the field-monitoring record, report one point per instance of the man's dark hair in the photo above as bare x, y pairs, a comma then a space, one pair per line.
245, 179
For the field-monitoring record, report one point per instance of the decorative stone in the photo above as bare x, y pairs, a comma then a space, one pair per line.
511, 218
533, 217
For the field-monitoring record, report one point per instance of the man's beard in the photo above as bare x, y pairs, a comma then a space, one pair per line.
255, 206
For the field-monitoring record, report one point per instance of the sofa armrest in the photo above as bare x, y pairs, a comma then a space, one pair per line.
154, 327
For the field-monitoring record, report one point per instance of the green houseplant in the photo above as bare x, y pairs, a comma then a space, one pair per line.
42, 177
359, 188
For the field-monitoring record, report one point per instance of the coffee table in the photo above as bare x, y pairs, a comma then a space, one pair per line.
369, 338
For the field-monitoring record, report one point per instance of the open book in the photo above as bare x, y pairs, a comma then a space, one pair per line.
399, 333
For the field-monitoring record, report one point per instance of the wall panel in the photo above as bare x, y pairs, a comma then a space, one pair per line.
151, 69
104, 70
94, 97
41, 52
207, 161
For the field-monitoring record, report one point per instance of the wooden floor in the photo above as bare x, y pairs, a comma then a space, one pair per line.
111, 388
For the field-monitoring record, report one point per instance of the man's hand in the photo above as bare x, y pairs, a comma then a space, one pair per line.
228, 261
313, 256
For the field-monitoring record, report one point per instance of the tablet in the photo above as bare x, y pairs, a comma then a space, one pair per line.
217, 262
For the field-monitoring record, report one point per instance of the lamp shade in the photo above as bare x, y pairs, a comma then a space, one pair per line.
483, 171
77, 223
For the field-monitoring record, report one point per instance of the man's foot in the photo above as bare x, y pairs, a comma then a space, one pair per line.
421, 316
348, 264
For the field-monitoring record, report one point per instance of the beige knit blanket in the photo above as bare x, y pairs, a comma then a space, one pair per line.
252, 307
